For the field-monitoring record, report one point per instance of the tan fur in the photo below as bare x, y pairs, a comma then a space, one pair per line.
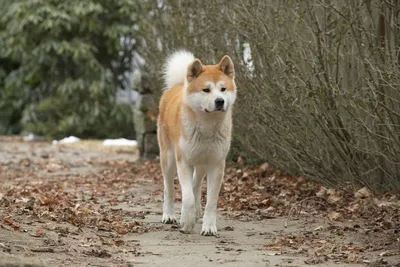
169, 117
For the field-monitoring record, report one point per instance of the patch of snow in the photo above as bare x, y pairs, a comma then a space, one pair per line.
66, 140
139, 59
159, 44
135, 79
191, 26
248, 61
32, 137
126, 96
119, 142
226, 38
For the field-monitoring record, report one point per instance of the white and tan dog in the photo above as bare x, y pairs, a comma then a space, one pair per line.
194, 135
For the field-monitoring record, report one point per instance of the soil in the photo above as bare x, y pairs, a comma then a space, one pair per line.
77, 206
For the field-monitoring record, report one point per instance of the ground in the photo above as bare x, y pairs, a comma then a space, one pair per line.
81, 205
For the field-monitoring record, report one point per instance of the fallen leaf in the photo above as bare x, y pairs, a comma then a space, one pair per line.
11, 223
333, 216
121, 231
334, 195
38, 233
264, 167
240, 160
363, 193
322, 192
51, 167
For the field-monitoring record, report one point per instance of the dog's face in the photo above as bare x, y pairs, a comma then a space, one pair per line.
211, 88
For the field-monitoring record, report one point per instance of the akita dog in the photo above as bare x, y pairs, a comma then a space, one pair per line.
194, 135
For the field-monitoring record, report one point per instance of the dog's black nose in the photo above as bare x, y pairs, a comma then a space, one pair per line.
219, 102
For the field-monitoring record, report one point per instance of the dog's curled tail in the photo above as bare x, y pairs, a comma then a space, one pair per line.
176, 66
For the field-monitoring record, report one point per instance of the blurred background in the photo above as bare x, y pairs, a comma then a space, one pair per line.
318, 80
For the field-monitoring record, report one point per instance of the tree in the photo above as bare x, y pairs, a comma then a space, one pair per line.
61, 64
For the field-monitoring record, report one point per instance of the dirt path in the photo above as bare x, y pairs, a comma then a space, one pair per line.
66, 206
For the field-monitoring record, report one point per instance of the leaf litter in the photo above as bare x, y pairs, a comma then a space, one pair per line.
42, 190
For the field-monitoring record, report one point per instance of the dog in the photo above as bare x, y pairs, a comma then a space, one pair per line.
194, 135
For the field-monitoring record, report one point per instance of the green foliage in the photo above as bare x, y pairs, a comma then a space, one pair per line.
60, 66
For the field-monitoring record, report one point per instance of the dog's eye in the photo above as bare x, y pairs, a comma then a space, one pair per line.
223, 89
206, 90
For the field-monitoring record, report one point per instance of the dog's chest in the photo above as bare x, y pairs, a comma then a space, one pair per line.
205, 146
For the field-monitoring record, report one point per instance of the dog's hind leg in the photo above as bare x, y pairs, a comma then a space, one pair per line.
168, 167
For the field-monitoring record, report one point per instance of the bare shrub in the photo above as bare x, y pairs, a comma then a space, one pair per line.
320, 94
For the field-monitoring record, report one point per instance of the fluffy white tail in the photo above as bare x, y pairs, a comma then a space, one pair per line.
175, 68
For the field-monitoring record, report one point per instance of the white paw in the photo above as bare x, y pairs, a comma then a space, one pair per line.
188, 219
209, 224
209, 230
168, 218
187, 222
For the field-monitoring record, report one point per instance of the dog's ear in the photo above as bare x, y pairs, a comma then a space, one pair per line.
194, 70
226, 65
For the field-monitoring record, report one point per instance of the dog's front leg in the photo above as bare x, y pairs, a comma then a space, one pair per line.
198, 176
214, 180
188, 213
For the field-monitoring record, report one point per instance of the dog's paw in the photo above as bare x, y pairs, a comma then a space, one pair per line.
209, 230
209, 227
187, 221
168, 219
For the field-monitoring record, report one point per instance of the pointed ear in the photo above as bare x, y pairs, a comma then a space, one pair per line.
226, 65
194, 70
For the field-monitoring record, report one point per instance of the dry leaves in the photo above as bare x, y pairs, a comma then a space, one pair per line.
75, 200
317, 249
52, 194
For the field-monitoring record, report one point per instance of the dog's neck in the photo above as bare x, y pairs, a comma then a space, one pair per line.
213, 119
207, 123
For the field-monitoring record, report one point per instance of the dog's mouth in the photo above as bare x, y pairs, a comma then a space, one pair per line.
218, 109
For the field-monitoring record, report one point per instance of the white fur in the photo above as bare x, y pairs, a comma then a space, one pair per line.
203, 153
202, 101
207, 144
169, 176
188, 211
175, 68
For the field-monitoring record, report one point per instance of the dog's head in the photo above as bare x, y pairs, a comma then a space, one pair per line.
210, 88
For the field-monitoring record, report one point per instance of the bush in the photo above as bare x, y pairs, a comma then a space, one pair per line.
318, 81
61, 65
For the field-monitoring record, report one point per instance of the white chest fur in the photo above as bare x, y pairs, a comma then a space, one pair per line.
206, 141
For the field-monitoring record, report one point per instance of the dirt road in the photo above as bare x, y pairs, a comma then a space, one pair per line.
68, 206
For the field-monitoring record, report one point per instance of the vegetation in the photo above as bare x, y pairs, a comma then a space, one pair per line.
61, 64
318, 80
319, 92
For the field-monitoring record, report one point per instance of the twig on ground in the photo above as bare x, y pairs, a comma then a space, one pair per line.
301, 203
48, 250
